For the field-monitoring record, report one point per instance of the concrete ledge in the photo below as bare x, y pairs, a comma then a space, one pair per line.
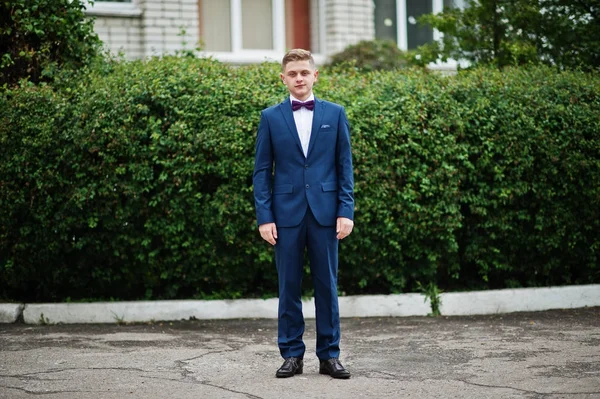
141, 311
453, 304
383, 305
9, 312
519, 300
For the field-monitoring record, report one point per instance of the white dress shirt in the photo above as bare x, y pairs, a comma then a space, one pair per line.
303, 118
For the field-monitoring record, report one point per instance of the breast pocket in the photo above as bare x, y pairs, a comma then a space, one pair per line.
327, 128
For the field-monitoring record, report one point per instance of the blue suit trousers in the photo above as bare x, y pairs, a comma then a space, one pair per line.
322, 246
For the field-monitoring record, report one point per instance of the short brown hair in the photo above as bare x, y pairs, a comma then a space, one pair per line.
297, 54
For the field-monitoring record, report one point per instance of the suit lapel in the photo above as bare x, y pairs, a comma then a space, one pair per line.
286, 110
316, 123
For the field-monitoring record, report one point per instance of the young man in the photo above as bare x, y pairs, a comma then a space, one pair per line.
307, 203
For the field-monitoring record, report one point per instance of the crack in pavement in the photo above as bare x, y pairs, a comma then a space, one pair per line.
248, 395
207, 383
204, 354
72, 368
385, 373
188, 374
181, 364
168, 379
27, 378
41, 393
526, 390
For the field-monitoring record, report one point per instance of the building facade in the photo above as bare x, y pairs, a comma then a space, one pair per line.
248, 31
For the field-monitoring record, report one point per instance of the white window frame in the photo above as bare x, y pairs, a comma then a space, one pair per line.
402, 24
239, 55
113, 9
437, 6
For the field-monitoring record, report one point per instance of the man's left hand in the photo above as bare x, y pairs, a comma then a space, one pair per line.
344, 227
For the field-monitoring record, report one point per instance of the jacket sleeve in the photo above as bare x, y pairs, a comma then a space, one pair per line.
344, 169
263, 171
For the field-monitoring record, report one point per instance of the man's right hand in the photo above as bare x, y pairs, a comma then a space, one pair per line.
268, 232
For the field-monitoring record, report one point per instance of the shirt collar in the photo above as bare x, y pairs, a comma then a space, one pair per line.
311, 97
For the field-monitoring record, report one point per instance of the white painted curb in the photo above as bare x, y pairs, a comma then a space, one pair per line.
519, 300
9, 312
453, 304
397, 305
143, 311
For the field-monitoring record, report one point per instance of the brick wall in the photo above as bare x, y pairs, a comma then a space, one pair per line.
121, 34
164, 22
348, 22
146, 27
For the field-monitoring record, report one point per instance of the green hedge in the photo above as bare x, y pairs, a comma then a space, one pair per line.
372, 55
135, 182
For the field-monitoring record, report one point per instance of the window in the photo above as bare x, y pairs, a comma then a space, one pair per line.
252, 30
215, 22
397, 20
386, 21
455, 3
417, 35
257, 25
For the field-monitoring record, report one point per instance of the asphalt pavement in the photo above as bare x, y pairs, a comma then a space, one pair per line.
550, 354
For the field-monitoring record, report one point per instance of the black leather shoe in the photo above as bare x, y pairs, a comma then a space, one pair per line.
334, 368
291, 367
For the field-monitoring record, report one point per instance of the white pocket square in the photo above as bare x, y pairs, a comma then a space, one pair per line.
325, 126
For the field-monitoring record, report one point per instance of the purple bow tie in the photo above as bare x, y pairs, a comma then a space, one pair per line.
309, 105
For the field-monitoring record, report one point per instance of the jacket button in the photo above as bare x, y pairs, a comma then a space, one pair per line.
305, 166
307, 186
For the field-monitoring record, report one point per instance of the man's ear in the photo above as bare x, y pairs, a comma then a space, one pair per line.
282, 77
316, 74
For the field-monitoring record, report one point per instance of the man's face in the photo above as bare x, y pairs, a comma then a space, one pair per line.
299, 77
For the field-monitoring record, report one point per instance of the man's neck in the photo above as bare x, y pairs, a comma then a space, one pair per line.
310, 96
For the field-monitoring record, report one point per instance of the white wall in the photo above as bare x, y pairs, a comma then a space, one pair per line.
121, 34
163, 24
348, 22
146, 27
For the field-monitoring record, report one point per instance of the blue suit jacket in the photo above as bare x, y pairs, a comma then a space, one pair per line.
323, 180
